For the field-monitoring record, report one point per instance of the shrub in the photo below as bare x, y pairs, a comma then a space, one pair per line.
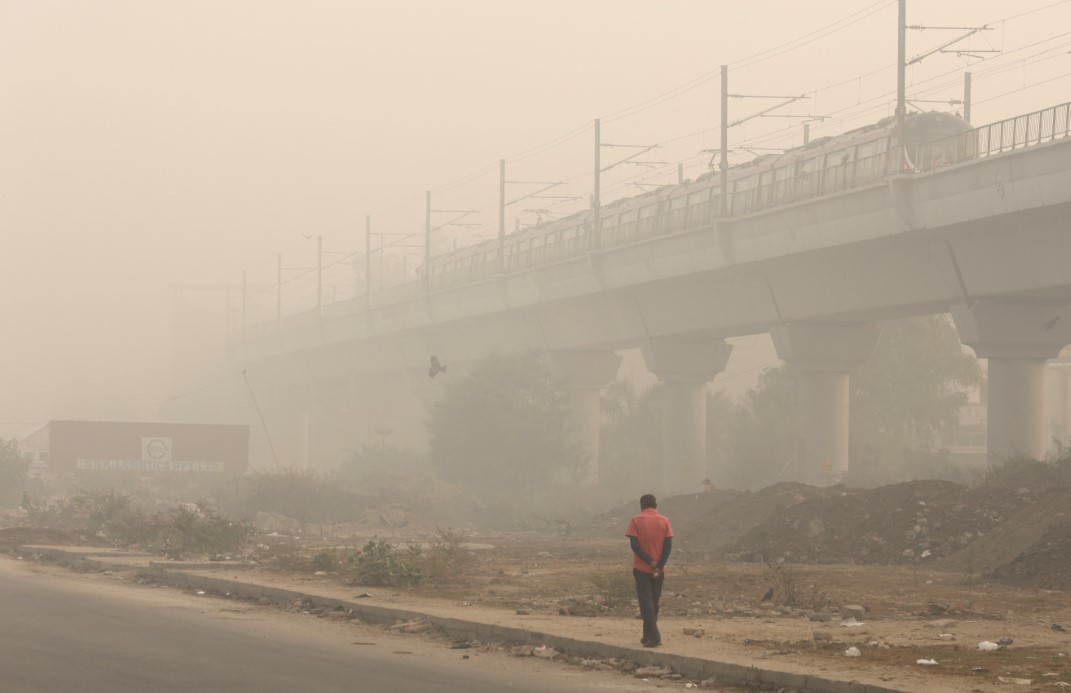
302, 495
617, 588
379, 564
201, 529
783, 580
324, 561
1015, 472
14, 468
105, 512
447, 558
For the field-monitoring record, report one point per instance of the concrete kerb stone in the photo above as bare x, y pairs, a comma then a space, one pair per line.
695, 668
76, 560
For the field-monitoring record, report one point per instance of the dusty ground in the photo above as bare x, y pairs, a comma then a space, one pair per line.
935, 569
581, 587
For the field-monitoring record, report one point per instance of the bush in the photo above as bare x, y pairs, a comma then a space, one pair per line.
100, 512
783, 581
617, 588
379, 564
302, 495
447, 558
1016, 472
324, 561
13, 470
196, 528
201, 529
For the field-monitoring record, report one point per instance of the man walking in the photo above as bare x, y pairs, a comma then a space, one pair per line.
651, 537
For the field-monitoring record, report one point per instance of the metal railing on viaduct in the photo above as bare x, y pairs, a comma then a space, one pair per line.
561, 240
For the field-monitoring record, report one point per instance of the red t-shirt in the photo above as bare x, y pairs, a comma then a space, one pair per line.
651, 529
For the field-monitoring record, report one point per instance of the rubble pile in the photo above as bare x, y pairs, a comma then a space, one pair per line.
901, 523
1045, 564
1019, 535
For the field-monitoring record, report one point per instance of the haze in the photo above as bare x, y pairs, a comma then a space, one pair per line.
152, 144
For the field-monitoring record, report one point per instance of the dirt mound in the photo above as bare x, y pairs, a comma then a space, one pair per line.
683, 511
725, 524
1007, 539
1045, 564
10, 537
901, 523
939, 524
710, 522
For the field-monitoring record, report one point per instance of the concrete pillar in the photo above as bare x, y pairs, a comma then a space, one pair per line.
1016, 336
1016, 408
684, 366
587, 372
823, 355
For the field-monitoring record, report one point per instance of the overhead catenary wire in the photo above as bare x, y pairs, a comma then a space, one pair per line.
838, 116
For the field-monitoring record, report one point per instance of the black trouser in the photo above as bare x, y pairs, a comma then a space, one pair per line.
648, 592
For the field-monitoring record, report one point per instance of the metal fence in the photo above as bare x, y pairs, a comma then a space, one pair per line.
1002, 137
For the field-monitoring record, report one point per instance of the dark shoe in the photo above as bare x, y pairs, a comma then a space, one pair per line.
656, 643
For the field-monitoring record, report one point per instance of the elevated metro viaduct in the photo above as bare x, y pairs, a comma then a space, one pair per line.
986, 239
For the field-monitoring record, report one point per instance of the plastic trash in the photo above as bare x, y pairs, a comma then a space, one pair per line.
852, 652
927, 662
986, 646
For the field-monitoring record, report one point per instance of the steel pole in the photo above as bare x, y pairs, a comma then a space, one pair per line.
901, 69
724, 140
596, 205
501, 214
427, 240
367, 261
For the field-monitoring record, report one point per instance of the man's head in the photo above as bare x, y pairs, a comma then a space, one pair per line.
647, 500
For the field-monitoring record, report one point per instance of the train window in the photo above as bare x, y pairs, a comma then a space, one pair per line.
696, 198
745, 183
868, 149
810, 165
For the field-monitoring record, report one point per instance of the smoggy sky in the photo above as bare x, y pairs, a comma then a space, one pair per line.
150, 143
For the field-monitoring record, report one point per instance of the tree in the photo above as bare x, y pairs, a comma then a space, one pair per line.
904, 396
901, 398
14, 466
761, 438
631, 450
631, 447
504, 426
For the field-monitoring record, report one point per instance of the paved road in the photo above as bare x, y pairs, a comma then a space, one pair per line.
59, 635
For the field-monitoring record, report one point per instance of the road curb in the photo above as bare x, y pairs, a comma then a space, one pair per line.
694, 668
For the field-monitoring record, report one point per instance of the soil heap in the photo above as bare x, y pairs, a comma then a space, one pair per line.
1018, 535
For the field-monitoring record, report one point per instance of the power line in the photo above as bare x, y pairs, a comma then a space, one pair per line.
789, 46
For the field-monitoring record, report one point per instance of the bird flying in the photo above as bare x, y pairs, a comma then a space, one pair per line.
436, 367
